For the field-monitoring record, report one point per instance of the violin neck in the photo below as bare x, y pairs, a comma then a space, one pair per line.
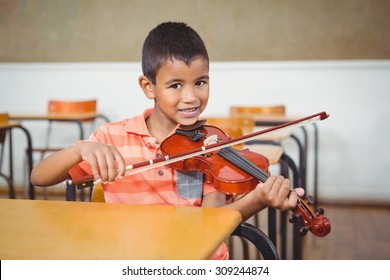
234, 157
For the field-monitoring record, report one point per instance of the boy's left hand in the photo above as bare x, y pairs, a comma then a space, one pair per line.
276, 193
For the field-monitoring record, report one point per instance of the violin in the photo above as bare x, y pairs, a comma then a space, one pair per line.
235, 172
207, 149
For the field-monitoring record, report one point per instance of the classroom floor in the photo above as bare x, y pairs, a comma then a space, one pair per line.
358, 233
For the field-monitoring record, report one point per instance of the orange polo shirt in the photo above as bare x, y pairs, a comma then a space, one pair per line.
158, 186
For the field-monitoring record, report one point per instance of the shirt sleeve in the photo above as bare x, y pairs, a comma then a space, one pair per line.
80, 170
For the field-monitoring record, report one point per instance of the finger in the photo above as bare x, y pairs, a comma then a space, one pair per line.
102, 165
121, 169
299, 191
292, 201
91, 159
284, 188
267, 185
111, 167
278, 186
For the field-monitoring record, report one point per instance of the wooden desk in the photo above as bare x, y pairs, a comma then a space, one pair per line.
10, 126
55, 117
76, 118
41, 229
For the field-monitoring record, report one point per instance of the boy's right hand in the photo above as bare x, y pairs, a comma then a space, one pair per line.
106, 161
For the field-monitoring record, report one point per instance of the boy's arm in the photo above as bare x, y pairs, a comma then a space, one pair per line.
54, 168
105, 161
275, 193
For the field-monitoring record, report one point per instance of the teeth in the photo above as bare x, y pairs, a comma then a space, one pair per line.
189, 110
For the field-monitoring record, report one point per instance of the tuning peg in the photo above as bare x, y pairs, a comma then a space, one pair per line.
319, 212
303, 230
294, 217
309, 199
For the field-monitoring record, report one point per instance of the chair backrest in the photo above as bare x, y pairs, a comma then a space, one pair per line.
71, 107
245, 123
4, 120
233, 126
64, 107
257, 110
97, 194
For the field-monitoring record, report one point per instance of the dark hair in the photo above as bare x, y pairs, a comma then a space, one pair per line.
170, 40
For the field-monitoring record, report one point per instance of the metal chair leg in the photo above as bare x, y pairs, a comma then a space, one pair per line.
259, 239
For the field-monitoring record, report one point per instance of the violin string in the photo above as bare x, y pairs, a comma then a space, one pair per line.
243, 163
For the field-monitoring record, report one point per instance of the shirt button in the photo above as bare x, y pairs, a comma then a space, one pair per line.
160, 172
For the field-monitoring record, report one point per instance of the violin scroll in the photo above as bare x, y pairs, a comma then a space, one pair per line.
315, 222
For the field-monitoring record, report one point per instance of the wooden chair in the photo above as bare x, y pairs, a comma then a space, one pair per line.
250, 111
64, 108
98, 194
236, 126
3, 135
233, 127
287, 165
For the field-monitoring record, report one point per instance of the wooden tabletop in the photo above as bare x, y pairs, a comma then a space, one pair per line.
53, 116
5, 125
41, 229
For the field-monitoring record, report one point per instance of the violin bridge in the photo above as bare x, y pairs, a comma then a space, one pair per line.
212, 139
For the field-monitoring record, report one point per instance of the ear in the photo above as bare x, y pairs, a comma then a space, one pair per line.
147, 86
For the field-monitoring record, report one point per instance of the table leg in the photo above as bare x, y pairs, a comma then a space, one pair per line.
31, 189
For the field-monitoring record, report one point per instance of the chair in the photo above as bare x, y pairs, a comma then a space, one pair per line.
59, 111
233, 127
66, 108
259, 239
97, 194
287, 165
3, 133
236, 126
251, 111
274, 115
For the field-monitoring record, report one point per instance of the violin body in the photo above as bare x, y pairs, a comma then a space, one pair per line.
222, 174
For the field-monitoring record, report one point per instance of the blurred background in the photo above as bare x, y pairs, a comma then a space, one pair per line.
309, 55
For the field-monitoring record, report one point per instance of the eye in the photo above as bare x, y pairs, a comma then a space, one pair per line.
175, 86
200, 83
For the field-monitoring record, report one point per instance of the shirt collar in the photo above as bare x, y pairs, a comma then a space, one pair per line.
137, 124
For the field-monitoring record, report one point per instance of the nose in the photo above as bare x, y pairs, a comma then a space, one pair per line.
189, 96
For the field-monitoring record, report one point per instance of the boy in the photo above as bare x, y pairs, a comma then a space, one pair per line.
175, 66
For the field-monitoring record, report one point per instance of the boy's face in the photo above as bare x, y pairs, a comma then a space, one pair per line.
181, 91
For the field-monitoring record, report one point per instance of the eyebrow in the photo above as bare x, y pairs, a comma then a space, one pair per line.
172, 81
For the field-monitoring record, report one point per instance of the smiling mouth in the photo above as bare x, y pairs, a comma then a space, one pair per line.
189, 110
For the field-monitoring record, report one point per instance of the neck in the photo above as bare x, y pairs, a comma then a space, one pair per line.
157, 129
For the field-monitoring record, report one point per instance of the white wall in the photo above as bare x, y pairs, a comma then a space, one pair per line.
354, 158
